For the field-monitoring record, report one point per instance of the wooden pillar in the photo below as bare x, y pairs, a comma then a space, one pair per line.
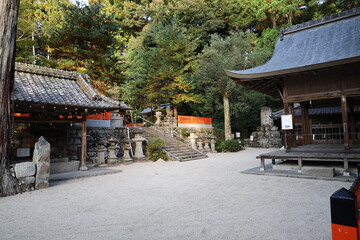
345, 121
287, 137
292, 132
83, 145
352, 131
305, 124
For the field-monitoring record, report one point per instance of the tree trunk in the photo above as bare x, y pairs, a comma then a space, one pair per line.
227, 121
175, 114
8, 22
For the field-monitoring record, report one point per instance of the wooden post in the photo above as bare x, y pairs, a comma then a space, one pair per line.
83, 145
286, 137
345, 121
292, 132
305, 123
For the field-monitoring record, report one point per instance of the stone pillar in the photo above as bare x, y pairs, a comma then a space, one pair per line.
138, 139
126, 159
193, 138
112, 159
206, 143
158, 117
41, 158
200, 144
100, 150
212, 141
266, 116
117, 120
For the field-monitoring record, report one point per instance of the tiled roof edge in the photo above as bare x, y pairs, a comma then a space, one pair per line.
321, 21
89, 91
31, 68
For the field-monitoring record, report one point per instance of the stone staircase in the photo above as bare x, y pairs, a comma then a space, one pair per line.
176, 149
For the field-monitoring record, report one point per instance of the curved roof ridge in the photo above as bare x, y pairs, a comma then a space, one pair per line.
320, 21
31, 68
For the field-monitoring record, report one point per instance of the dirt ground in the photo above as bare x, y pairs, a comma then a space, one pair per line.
202, 199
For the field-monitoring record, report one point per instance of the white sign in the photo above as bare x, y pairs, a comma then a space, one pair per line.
23, 152
286, 122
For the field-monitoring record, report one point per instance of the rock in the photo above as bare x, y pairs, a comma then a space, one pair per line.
27, 180
41, 158
24, 169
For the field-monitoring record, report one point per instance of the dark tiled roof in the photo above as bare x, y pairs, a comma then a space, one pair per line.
51, 87
325, 42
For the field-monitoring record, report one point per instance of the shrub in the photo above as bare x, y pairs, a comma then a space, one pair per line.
228, 146
157, 155
154, 146
185, 132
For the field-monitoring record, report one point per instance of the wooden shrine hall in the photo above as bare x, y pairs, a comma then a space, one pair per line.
315, 70
54, 99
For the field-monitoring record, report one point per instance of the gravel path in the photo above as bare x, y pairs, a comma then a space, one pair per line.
203, 199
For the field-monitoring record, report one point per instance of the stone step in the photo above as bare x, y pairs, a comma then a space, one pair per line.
190, 159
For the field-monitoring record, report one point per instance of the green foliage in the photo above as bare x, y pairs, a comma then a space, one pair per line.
185, 132
160, 62
228, 146
83, 42
154, 156
154, 146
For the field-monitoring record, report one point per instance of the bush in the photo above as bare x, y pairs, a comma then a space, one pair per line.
228, 146
185, 132
154, 146
158, 154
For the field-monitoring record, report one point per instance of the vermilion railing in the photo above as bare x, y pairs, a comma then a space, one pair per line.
194, 120
100, 116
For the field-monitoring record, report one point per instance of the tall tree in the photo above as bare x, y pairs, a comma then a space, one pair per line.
160, 62
8, 22
84, 42
233, 52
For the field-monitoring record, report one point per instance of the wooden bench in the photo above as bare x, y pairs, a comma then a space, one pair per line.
306, 156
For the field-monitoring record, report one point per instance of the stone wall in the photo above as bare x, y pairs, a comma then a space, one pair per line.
93, 135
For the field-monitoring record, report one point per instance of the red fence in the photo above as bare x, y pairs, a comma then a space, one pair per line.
100, 116
194, 120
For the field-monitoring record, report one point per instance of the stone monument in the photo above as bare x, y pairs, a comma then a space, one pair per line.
100, 150
126, 159
41, 158
158, 114
112, 159
266, 135
193, 138
138, 139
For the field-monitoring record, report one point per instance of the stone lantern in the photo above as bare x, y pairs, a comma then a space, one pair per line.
158, 114
126, 159
112, 159
193, 138
212, 143
206, 143
200, 144
138, 139
100, 150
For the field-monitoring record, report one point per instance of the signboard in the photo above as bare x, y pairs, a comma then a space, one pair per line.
286, 122
23, 152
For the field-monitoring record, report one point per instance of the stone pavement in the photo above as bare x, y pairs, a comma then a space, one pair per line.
203, 199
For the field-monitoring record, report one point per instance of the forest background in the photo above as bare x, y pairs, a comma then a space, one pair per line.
149, 52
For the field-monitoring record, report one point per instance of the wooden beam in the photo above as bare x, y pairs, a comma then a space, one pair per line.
83, 146
345, 121
305, 122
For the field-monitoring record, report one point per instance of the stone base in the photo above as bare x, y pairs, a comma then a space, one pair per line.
318, 171
84, 169
61, 167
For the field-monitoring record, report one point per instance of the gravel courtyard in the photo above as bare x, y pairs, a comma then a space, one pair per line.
203, 199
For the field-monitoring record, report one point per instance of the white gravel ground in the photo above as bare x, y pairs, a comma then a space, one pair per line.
203, 199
